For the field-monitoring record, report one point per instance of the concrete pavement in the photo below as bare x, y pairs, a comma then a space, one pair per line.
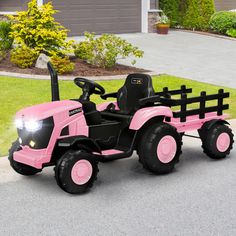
193, 56
198, 198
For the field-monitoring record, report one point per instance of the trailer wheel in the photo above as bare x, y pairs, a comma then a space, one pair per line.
160, 148
19, 167
217, 141
76, 171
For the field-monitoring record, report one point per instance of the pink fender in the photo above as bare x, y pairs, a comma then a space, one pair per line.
145, 114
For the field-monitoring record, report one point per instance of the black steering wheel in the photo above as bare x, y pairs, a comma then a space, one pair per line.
88, 87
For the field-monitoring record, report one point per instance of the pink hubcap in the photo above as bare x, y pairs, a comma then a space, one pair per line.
166, 149
223, 142
81, 172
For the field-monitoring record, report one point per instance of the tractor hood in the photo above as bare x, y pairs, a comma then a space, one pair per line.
45, 110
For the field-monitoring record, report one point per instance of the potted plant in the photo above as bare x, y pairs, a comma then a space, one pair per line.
163, 24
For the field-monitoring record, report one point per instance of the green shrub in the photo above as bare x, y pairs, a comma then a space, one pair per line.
223, 21
3, 55
104, 51
23, 57
172, 10
5, 39
231, 33
63, 65
36, 28
198, 14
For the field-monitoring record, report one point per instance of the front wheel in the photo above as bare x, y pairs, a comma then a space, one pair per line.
160, 148
17, 166
76, 171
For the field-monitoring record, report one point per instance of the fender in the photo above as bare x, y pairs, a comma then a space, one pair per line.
145, 114
211, 123
82, 140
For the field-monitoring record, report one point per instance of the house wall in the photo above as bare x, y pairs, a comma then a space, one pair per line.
225, 5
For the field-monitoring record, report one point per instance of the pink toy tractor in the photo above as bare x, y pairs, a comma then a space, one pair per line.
75, 135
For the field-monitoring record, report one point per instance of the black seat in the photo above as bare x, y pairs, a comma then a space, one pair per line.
136, 86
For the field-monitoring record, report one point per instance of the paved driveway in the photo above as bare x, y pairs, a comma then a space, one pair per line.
188, 55
197, 199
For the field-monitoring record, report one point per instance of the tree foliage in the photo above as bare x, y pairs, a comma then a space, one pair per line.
198, 14
36, 28
172, 9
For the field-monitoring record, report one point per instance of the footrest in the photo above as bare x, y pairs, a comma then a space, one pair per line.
111, 152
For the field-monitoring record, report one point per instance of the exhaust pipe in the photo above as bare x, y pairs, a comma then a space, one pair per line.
54, 82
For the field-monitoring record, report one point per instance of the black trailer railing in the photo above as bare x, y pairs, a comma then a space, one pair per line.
184, 101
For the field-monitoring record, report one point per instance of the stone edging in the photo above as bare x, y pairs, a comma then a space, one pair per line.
206, 34
46, 77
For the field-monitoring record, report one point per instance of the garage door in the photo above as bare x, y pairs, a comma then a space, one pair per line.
13, 5
99, 16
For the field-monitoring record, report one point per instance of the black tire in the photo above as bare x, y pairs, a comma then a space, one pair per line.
64, 167
210, 138
19, 167
148, 155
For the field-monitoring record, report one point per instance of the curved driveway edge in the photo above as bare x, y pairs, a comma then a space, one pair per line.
63, 77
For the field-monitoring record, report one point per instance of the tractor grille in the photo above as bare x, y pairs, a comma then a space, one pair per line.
40, 138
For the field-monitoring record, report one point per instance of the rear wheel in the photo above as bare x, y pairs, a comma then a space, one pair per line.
76, 171
160, 148
17, 166
217, 141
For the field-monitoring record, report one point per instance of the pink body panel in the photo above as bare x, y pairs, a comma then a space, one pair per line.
145, 114
193, 122
32, 157
60, 112
46, 110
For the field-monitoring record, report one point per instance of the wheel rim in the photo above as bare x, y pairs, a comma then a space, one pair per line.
223, 142
81, 172
166, 149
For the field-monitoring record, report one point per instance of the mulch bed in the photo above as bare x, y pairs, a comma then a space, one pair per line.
82, 68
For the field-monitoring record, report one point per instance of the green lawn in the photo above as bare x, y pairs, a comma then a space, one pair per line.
19, 93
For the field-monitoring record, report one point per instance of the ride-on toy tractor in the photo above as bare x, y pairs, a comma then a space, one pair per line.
75, 135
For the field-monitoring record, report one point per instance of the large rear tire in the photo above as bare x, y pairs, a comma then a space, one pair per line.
217, 141
160, 148
19, 167
76, 171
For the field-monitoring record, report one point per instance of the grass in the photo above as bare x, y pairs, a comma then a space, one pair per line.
16, 94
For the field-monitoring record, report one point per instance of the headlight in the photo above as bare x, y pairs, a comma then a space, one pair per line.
19, 123
33, 125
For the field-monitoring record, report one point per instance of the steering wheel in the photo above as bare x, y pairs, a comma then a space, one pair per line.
88, 87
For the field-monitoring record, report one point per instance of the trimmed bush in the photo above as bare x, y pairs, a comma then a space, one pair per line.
23, 57
172, 10
198, 14
231, 33
36, 28
63, 65
104, 51
5, 39
223, 22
